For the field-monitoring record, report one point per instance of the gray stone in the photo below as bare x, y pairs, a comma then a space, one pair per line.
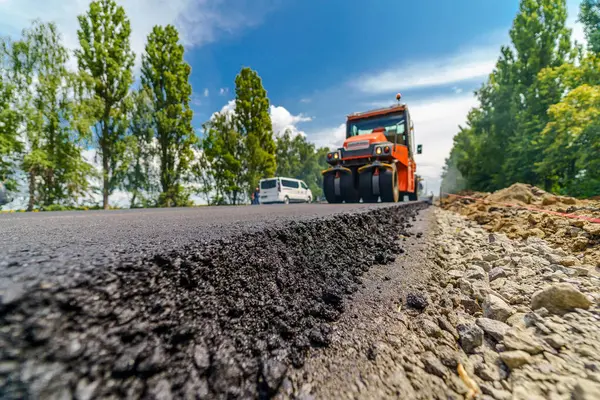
488, 372
15, 292
495, 329
470, 336
556, 341
483, 264
560, 298
430, 328
85, 389
447, 326
475, 273
515, 359
586, 390
496, 308
470, 305
201, 357
497, 273
434, 366
490, 257
455, 274
496, 394
517, 339
517, 320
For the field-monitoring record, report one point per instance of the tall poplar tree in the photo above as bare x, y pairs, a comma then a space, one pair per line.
56, 171
254, 124
140, 177
106, 58
10, 145
223, 151
590, 18
166, 74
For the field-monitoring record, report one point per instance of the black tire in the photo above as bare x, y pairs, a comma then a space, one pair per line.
329, 189
350, 193
286, 200
388, 186
365, 186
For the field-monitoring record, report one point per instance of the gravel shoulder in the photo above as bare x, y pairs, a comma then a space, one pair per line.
475, 315
364, 359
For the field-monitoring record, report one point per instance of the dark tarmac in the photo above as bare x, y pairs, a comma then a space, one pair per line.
185, 303
36, 247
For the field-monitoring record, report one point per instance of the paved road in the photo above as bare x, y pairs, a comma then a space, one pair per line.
36, 246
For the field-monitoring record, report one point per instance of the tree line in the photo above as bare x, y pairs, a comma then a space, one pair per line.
142, 133
538, 119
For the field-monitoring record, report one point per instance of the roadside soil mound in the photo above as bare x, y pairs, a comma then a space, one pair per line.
224, 319
578, 237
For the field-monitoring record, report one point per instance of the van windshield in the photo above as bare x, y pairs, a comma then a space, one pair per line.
270, 184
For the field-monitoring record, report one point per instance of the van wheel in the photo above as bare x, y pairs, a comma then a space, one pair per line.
309, 200
286, 200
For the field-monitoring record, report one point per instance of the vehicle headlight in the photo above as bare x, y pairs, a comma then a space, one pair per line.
378, 150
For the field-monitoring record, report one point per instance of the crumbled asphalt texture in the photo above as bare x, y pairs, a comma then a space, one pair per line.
222, 318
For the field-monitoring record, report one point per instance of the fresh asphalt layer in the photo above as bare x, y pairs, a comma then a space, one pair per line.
45, 246
201, 303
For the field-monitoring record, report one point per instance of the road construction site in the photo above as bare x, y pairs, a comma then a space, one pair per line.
401, 300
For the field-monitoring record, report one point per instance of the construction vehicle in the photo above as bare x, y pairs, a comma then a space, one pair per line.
376, 160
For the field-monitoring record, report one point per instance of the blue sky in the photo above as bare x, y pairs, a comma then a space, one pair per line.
320, 60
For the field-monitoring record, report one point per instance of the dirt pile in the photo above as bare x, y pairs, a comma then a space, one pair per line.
576, 236
226, 319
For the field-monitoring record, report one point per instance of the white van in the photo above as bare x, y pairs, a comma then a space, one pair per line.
284, 190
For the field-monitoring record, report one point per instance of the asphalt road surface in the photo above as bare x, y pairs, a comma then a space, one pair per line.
47, 246
181, 303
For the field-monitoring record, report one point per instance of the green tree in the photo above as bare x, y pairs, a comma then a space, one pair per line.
573, 153
140, 177
254, 124
589, 16
502, 142
297, 158
10, 145
56, 171
541, 40
106, 60
223, 152
166, 74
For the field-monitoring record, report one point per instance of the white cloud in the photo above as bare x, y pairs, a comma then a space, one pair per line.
436, 122
282, 119
198, 21
465, 65
305, 100
223, 91
206, 92
329, 137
